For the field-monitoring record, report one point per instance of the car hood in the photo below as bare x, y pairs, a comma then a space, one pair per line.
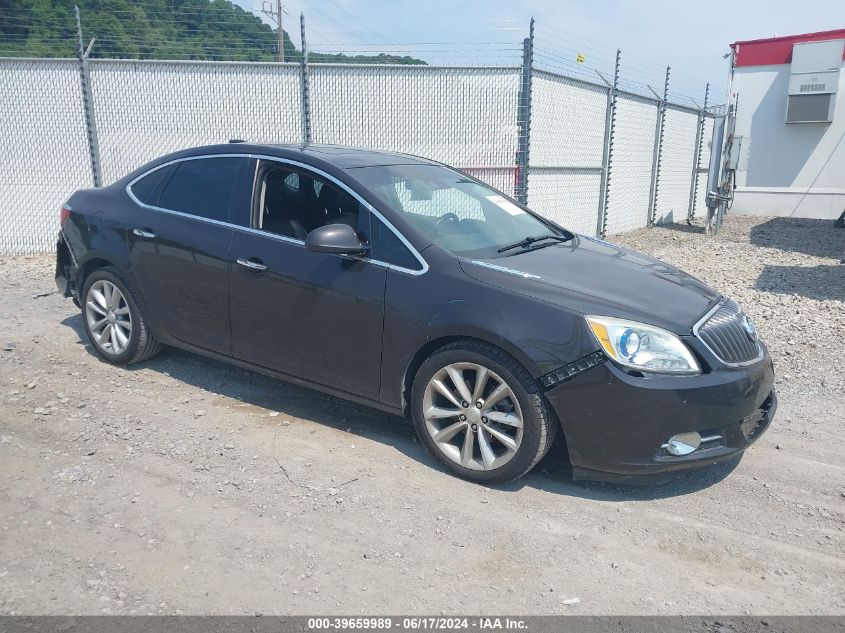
590, 276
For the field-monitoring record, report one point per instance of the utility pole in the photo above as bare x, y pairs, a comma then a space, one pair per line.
276, 16
281, 33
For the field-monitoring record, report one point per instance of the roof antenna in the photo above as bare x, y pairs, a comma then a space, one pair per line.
236, 140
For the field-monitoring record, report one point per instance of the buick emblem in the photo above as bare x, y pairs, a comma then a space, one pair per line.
750, 329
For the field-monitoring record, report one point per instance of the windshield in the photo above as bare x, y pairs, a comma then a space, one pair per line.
452, 210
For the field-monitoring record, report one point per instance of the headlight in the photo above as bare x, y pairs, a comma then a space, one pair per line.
643, 347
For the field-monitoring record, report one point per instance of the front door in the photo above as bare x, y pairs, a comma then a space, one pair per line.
311, 315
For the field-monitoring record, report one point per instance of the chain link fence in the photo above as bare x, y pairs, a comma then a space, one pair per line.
584, 146
633, 157
699, 194
44, 147
567, 140
676, 165
146, 109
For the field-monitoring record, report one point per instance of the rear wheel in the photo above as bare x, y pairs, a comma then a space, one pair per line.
113, 321
480, 413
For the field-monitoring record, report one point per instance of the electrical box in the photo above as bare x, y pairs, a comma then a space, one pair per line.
814, 81
739, 153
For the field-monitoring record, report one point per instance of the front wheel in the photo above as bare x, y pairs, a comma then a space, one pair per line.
480, 413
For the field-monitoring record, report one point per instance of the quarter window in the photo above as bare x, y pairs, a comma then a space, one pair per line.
390, 249
201, 187
144, 188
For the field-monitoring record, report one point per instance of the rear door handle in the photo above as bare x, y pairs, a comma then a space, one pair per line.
143, 233
252, 264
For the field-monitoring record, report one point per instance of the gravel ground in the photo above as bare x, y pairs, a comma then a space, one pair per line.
187, 486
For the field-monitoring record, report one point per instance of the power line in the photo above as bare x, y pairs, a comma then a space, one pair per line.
343, 28
338, 6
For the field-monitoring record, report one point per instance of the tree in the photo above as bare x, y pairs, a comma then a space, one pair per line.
153, 29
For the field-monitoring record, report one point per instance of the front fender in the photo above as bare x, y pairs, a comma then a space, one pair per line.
445, 304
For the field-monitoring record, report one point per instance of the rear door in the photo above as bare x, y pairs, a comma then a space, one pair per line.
179, 247
311, 315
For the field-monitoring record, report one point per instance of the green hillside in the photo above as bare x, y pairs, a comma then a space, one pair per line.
153, 29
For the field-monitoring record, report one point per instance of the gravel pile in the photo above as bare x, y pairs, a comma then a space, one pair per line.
787, 274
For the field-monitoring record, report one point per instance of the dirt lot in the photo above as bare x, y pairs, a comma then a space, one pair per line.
186, 486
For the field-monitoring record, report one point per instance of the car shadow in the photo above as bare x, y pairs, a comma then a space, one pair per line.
551, 475
680, 227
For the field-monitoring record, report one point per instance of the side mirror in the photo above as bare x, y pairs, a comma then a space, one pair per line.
340, 239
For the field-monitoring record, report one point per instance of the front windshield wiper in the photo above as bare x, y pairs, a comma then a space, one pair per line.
529, 240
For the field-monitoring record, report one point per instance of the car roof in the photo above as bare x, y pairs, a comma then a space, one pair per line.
331, 158
339, 156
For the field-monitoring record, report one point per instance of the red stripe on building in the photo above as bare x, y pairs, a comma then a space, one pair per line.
778, 50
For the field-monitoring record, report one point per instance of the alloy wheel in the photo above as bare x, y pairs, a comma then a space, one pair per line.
473, 416
109, 318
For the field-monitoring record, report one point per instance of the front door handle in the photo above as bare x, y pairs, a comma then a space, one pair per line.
252, 264
143, 233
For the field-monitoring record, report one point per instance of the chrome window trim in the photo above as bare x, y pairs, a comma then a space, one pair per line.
697, 327
283, 238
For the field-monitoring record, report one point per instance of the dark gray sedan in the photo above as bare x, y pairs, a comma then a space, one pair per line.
403, 284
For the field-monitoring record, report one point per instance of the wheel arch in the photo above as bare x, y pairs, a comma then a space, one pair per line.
433, 345
97, 260
94, 261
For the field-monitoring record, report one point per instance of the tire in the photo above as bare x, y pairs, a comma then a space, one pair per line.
503, 460
123, 345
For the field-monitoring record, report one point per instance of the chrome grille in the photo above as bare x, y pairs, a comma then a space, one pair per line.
723, 332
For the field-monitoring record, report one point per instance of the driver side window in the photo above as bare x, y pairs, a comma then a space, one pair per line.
292, 203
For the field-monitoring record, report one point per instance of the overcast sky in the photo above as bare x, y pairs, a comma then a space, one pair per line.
689, 36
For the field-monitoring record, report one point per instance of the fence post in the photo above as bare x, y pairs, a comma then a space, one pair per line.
305, 85
658, 150
696, 164
523, 118
607, 150
88, 104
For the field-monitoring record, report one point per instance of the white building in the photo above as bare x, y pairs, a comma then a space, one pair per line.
790, 95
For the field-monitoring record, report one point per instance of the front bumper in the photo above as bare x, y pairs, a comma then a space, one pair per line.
616, 424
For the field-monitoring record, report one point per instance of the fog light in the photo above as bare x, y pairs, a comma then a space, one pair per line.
683, 444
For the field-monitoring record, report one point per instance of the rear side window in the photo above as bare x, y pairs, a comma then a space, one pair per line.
201, 187
390, 249
144, 188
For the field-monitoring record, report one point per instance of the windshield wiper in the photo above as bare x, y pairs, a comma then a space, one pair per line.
529, 240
